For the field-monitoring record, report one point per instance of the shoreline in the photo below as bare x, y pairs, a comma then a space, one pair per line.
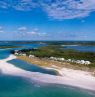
56, 65
70, 77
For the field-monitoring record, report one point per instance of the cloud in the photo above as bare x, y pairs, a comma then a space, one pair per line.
36, 32
24, 5
55, 9
4, 4
20, 5
68, 9
73, 35
23, 28
23, 31
1, 29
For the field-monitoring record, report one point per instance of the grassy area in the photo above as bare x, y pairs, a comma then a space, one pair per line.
58, 51
44, 62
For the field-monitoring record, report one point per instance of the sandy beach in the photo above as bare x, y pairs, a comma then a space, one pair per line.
70, 77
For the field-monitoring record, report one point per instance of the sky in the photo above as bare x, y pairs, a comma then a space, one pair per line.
47, 20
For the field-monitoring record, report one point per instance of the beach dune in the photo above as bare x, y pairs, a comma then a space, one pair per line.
76, 78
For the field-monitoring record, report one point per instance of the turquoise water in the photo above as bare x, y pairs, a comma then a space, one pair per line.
18, 87
11, 86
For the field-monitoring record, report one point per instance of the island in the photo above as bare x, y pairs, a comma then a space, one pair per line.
56, 57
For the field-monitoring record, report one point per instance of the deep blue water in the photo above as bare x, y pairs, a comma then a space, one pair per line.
4, 54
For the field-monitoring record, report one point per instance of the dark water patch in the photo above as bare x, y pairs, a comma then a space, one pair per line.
4, 54
81, 48
30, 67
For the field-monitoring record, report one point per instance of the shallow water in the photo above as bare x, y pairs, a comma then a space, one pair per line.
18, 87
30, 67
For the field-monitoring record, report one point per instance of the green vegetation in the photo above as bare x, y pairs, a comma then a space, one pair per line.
58, 51
8, 46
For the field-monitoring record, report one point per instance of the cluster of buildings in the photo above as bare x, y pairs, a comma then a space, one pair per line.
17, 53
71, 60
57, 59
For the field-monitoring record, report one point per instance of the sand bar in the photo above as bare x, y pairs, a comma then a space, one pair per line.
70, 77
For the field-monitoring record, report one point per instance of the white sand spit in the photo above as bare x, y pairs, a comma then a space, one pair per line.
70, 77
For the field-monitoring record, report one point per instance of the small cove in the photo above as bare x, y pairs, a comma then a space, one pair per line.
31, 67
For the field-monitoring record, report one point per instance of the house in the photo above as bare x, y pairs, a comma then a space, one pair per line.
82, 62
62, 59
23, 54
87, 62
16, 53
31, 56
69, 60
